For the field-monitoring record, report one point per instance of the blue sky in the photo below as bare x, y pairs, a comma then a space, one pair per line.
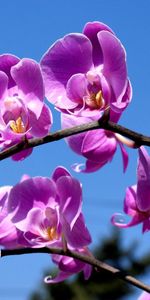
27, 29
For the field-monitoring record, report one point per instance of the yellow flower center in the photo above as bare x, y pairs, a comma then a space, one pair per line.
17, 126
51, 233
95, 100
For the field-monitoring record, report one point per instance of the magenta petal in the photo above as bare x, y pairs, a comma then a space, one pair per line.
144, 296
24, 195
75, 142
68, 56
41, 126
59, 172
143, 184
118, 220
125, 157
70, 265
87, 271
70, 194
22, 155
28, 77
8, 233
91, 30
146, 225
78, 236
114, 63
130, 206
32, 222
98, 147
60, 277
90, 166
6, 62
3, 84
34, 105
77, 88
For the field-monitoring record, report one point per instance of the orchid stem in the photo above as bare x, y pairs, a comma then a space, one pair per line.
102, 123
87, 259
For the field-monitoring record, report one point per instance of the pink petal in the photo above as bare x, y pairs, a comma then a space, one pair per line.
70, 195
143, 184
77, 88
91, 30
3, 85
6, 62
68, 56
114, 63
28, 77
40, 126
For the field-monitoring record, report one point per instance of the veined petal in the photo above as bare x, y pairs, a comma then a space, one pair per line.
130, 206
75, 142
68, 56
24, 195
77, 88
6, 62
59, 172
70, 195
32, 222
99, 147
125, 157
28, 77
3, 85
40, 126
114, 60
91, 30
79, 235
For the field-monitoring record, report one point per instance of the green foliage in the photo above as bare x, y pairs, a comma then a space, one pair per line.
101, 285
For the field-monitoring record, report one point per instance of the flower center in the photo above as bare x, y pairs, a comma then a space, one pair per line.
95, 100
17, 126
51, 233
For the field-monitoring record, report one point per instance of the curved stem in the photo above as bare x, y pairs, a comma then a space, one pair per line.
103, 123
87, 259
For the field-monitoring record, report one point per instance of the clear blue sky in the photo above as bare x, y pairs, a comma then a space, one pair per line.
27, 29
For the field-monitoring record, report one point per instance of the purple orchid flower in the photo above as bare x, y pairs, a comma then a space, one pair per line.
47, 211
86, 73
97, 146
23, 113
137, 198
69, 266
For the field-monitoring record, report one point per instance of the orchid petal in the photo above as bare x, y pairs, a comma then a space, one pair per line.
143, 184
6, 62
114, 63
28, 77
68, 56
91, 30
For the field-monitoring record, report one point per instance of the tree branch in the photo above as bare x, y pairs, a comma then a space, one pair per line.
103, 123
87, 259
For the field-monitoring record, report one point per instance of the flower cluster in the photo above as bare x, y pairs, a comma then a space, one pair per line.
46, 212
83, 75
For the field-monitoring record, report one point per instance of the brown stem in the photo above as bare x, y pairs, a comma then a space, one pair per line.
87, 259
103, 123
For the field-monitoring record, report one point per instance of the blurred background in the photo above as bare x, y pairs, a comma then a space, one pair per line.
27, 29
